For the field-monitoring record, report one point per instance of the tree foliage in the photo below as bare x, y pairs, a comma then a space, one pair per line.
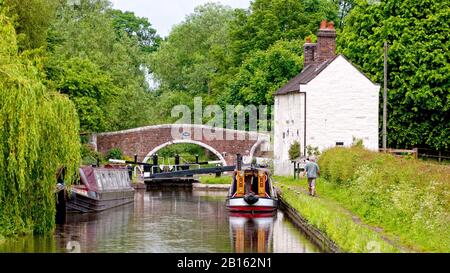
264, 72
136, 27
419, 68
60, 60
89, 88
31, 20
268, 21
238, 56
38, 135
195, 52
101, 69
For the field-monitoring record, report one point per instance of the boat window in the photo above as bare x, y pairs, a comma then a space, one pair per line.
114, 181
122, 180
109, 183
98, 180
111, 179
104, 181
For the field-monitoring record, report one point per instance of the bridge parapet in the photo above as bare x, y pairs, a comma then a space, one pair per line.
145, 141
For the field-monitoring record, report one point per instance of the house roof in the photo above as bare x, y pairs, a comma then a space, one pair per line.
308, 74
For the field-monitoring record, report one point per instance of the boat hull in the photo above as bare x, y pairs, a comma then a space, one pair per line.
102, 201
263, 205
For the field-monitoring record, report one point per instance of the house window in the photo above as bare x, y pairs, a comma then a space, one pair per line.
339, 143
297, 133
284, 135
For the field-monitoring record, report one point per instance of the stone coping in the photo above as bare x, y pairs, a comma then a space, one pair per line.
169, 126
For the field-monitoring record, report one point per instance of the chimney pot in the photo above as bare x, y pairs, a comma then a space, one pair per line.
331, 25
308, 40
323, 24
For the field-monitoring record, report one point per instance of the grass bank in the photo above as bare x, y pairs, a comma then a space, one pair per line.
332, 220
406, 199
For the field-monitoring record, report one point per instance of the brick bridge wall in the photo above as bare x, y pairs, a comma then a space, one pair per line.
142, 141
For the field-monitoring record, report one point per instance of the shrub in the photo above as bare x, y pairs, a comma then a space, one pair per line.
89, 155
310, 150
358, 142
114, 153
294, 150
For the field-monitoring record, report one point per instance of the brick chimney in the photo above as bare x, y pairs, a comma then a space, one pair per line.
309, 52
326, 42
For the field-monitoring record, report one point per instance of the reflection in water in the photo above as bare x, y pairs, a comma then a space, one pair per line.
251, 234
267, 234
167, 221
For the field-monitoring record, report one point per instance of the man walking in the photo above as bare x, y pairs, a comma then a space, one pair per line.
312, 170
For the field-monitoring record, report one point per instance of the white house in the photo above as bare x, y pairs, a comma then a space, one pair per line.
328, 104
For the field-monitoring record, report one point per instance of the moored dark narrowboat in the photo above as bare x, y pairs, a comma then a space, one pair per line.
100, 189
252, 191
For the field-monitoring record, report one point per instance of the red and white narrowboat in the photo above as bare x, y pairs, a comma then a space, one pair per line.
252, 191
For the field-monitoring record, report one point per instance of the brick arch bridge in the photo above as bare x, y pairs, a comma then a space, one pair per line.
146, 141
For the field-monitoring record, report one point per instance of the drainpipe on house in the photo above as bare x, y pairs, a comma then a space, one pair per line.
304, 125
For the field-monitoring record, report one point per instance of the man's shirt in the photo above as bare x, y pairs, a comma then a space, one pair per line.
312, 169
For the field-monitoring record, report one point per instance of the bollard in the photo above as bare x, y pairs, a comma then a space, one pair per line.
295, 170
130, 171
135, 164
155, 163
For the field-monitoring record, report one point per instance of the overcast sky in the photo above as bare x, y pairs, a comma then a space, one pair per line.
163, 14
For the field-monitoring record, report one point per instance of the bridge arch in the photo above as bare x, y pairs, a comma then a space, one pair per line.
139, 141
179, 141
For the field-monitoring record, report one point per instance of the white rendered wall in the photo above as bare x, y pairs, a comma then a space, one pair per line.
289, 119
341, 104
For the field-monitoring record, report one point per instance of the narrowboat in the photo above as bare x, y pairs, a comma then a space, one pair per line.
100, 189
252, 191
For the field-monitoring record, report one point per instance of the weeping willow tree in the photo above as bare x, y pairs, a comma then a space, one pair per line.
38, 135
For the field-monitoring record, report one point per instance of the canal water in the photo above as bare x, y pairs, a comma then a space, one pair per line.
167, 221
